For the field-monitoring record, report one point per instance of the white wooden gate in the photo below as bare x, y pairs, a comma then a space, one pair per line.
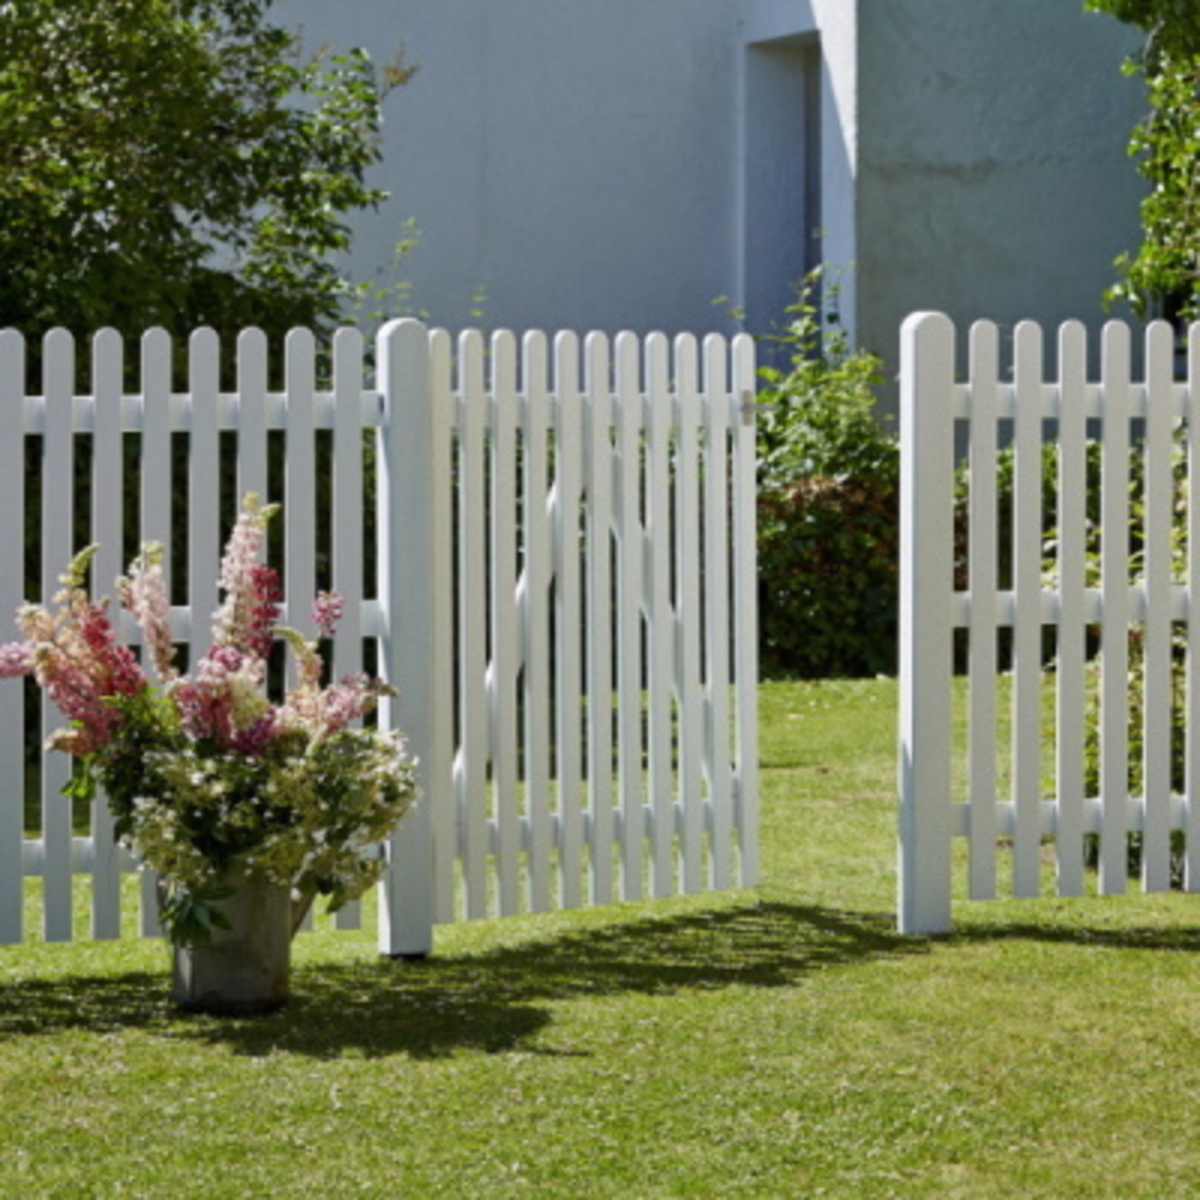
563, 591
1124, 575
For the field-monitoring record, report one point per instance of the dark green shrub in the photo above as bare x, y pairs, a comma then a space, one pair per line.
828, 573
828, 539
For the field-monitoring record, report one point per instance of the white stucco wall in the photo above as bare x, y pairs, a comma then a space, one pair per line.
620, 163
573, 160
992, 175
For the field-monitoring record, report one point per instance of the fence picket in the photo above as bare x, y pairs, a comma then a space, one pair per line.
204, 531
1027, 585
718, 631
982, 578
347, 521
1070, 673
744, 586
630, 594
58, 512
107, 513
569, 615
690, 616
1156, 676
299, 494
536, 575
473, 591
926, 582
1192, 594
505, 626
12, 595
155, 513
1114, 585
599, 617
252, 352
660, 626
439, 749
300, 470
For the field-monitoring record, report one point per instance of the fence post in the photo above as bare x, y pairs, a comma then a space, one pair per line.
926, 589
407, 596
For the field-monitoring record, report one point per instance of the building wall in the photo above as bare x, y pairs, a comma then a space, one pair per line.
992, 175
621, 163
573, 161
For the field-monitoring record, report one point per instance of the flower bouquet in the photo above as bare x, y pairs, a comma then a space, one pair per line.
211, 783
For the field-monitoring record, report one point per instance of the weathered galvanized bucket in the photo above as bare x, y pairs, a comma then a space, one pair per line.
244, 969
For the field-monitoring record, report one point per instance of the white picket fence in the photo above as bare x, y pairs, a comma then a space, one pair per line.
1012, 783
565, 593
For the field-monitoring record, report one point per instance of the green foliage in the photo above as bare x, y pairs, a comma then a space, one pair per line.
1164, 275
828, 533
818, 410
177, 163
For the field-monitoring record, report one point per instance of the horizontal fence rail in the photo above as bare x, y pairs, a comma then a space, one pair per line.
547, 545
1062, 580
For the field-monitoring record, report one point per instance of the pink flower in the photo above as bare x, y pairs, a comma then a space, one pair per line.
224, 699
78, 661
143, 593
248, 616
327, 612
15, 660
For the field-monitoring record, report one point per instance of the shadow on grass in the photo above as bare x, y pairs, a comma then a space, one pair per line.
491, 1002
1165, 938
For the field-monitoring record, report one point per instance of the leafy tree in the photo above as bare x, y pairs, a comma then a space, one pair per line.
177, 163
1164, 275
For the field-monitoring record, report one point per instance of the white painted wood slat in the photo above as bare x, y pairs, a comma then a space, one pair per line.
155, 522
1071, 563
504, 623
107, 512
1114, 650
630, 598
536, 576
474, 750
1027, 587
204, 533
982, 577
1192, 662
660, 625
440, 749
1156, 646
569, 615
717, 475
744, 585
58, 510
600, 722
252, 414
347, 521
12, 594
690, 615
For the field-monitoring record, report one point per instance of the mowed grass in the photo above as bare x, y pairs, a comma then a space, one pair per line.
781, 1042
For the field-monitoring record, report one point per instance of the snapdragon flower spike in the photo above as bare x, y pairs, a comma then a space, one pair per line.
263, 617
327, 612
224, 699
75, 656
143, 593
15, 660
248, 616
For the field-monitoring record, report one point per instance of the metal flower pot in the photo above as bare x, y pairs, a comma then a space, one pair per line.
244, 969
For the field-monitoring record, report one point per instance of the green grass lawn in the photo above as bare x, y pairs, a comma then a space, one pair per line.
781, 1042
